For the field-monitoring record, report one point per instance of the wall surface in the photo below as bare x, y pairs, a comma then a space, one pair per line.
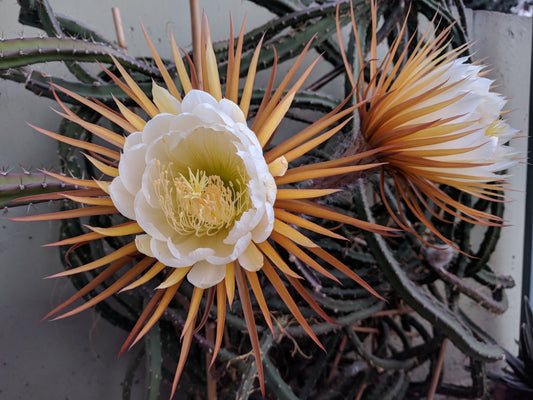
76, 358
505, 41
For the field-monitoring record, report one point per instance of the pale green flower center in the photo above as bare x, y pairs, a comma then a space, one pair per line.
199, 204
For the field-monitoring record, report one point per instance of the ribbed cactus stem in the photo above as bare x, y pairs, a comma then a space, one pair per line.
19, 185
26, 51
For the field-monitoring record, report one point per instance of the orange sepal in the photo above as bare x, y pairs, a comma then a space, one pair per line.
288, 300
250, 323
115, 287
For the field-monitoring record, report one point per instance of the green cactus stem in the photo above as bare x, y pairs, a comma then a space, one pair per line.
296, 15
135, 360
15, 186
429, 307
25, 51
154, 362
29, 15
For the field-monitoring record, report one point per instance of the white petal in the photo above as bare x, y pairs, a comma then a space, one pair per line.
196, 97
478, 85
247, 220
191, 248
232, 110
157, 127
122, 199
263, 229
131, 167
151, 173
143, 244
159, 150
133, 139
162, 253
211, 114
490, 108
165, 102
152, 220
247, 135
205, 275
238, 248
251, 259
185, 122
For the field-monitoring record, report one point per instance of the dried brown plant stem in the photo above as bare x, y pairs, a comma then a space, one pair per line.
117, 21
337, 359
361, 391
393, 312
211, 382
364, 329
438, 369
196, 32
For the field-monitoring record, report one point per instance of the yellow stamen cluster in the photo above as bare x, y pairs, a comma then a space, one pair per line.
201, 204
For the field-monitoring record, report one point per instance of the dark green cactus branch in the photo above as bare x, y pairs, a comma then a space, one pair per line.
53, 29
489, 242
278, 7
378, 361
20, 52
291, 13
487, 277
30, 16
275, 382
18, 185
154, 362
249, 375
485, 300
427, 306
133, 365
39, 83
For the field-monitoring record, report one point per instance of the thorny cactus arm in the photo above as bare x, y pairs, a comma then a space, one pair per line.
29, 15
15, 188
52, 28
26, 51
294, 13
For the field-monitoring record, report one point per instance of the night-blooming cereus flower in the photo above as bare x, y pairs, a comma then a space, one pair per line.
204, 199
198, 185
432, 119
